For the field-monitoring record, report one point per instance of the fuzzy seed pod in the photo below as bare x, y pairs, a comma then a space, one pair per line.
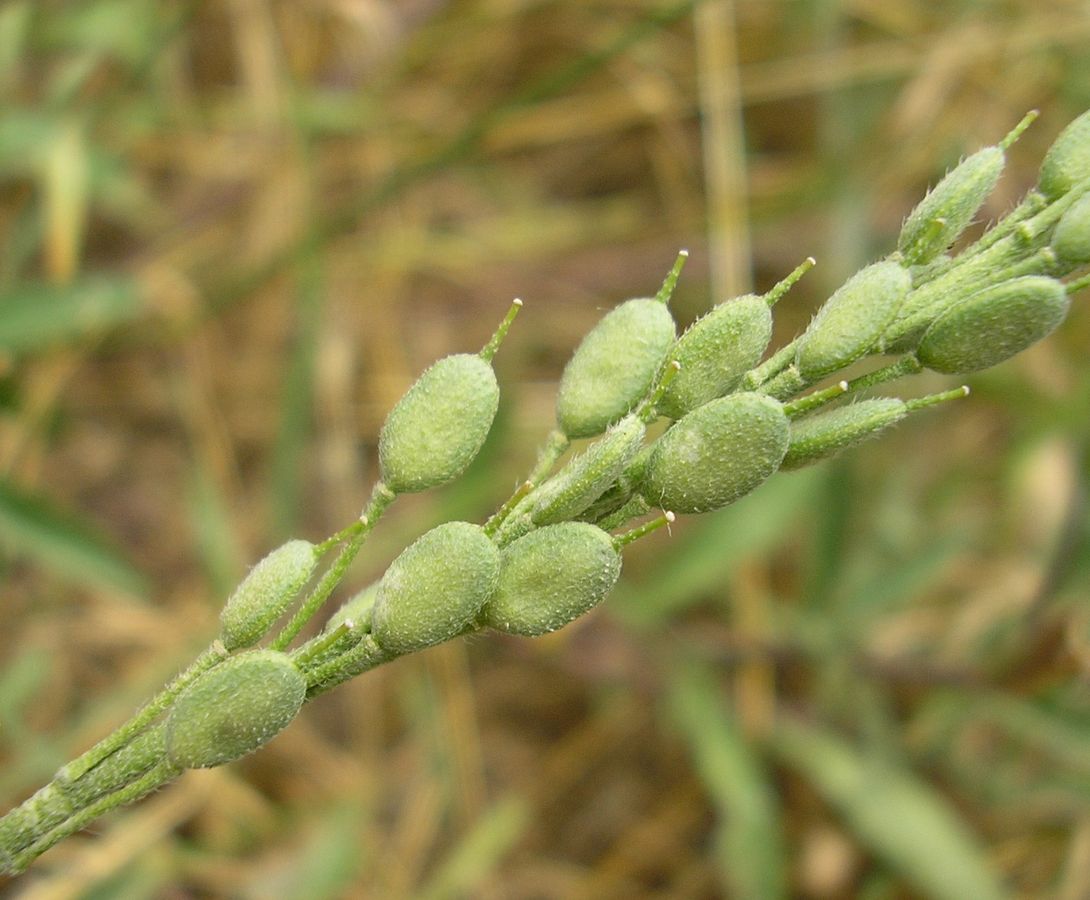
1071, 239
716, 454
550, 577
949, 207
589, 475
614, 366
715, 352
993, 325
265, 594
821, 436
850, 323
233, 709
438, 427
435, 588
1067, 161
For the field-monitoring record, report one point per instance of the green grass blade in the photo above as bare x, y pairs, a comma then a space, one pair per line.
901, 818
37, 315
31, 526
496, 832
750, 839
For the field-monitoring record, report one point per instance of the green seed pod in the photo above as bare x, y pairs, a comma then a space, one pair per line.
550, 577
614, 367
949, 207
716, 454
1071, 239
233, 709
265, 594
994, 324
715, 352
356, 609
435, 588
821, 436
589, 475
850, 323
1067, 161
438, 427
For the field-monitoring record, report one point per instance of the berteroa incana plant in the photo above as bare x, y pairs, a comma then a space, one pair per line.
736, 415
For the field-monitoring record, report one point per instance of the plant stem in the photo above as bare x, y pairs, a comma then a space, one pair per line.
154, 778
555, 445
113, 742
381, 498
776, 363
367, 654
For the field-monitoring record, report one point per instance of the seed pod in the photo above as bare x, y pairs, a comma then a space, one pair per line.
1071, 239
715, 352
949, 208
265, 594
356, 609
716, 454
614, 366
589, 475
435, 588
233, 709
439, 426
550, 577
821, 436
850, 323
1067, 161
994, 324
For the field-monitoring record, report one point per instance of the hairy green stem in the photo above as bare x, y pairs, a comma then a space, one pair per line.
555, 445
156, 777
366, 655
771, 367
117, 739
381, 498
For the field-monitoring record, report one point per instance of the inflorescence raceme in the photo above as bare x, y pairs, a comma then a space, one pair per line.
553, 551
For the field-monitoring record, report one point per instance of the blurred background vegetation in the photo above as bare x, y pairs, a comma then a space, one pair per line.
231, 233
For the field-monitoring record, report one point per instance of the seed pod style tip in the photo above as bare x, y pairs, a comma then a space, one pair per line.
623, 540
778, 290
670, 282
489, 349
1015, 133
